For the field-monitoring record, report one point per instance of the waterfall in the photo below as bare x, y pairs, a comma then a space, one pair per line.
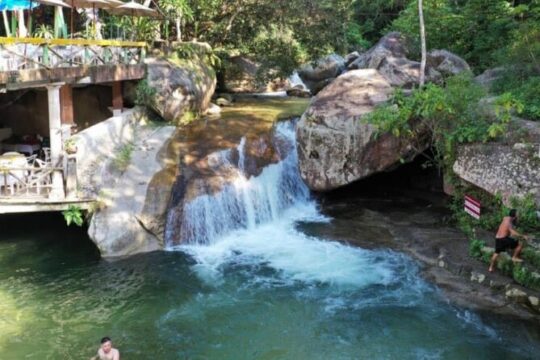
245, 202
295, 80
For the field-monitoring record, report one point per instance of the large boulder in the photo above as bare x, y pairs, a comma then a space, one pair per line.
335, 147
389, 57
179, 86
488, 77
446, 63
122, 163
325, 70
239, 75
510, 170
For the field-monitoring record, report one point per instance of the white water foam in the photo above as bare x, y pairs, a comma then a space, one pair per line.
252, 223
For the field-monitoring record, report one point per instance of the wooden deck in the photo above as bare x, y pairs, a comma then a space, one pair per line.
33, 62
26, 205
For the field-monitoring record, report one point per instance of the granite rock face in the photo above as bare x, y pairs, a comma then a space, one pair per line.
179, 86
132, 195
509, 170
324, 72
334, 146
389, 57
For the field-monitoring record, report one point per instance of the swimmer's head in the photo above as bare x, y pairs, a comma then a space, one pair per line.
106, 344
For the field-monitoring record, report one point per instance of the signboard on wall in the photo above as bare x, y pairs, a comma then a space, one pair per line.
472, 206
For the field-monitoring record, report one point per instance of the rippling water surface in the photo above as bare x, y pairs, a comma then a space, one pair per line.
257, 288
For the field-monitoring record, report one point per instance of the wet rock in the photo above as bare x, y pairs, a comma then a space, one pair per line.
533, 300
213, 110
350, 58
299, 91
496, 285
478, 277
335, 147
223, 102
516, 295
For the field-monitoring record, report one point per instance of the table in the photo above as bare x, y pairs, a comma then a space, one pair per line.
9, 178
22, 148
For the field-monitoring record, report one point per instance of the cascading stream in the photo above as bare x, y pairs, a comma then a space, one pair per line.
245, 203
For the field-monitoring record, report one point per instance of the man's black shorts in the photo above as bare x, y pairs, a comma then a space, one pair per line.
505, 243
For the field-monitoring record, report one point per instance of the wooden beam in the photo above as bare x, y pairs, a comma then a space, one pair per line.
66, 105
36, 205
117, 100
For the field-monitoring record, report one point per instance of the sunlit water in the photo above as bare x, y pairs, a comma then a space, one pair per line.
254, 287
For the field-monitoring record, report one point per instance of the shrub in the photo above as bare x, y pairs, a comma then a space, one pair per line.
73, 215
475, 248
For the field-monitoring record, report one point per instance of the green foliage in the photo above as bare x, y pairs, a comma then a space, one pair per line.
524, 89
144, 93
123, 157
188, 117
483, 32
525, 277
73, 215
475, 248
451, 114
527, 213
279, 35
531, 257
278, 52
355, 37
369, 20
44, 32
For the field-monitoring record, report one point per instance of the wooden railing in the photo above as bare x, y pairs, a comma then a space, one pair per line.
29, 181
35, 53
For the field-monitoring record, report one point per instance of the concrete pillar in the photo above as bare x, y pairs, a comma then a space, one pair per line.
117, 100
55, 133
71, 176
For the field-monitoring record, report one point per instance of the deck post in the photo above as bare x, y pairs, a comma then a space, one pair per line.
66, 101
55, 133
117, 100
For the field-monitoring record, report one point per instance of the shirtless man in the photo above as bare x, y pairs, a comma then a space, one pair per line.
503, 241
106, 351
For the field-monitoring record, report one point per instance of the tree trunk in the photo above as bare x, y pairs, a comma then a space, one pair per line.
423, 43
178, 29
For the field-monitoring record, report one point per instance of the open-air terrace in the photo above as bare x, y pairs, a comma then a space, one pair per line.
38, 171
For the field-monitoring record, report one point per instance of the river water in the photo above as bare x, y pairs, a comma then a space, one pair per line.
248, 283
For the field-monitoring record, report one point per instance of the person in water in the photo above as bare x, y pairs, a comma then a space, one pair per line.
106, 351
503, 241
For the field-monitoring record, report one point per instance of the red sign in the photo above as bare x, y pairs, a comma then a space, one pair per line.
472, 207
